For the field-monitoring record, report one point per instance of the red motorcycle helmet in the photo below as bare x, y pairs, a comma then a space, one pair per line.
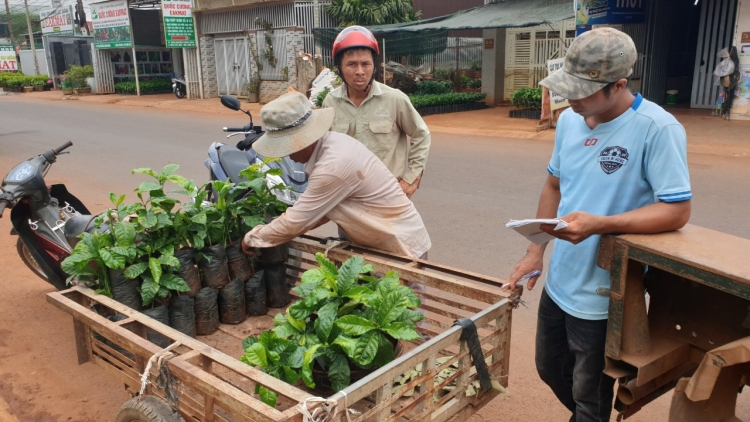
355, 37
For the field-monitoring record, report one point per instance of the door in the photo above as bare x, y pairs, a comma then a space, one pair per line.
232, 65
715, 32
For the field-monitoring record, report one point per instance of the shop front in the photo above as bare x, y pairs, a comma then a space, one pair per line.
65, 43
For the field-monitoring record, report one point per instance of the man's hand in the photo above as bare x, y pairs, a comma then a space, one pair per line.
409, 189
248, 249
581, 226
532, 261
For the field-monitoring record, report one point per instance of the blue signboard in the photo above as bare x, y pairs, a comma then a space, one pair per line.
612, 12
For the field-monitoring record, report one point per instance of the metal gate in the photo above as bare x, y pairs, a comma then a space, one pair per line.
715, 32
103, 71
232, 65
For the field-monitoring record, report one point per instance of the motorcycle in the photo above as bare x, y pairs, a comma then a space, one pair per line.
179, 87
225, 161
46, 219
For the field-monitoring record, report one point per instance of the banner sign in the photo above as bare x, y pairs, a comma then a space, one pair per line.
178, 23
58, 22
598, 12
111, 22
555, 101
8, 58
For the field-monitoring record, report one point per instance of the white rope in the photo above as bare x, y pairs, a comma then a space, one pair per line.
158, 358
326, 411
335, 244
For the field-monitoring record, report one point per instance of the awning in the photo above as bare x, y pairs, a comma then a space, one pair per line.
498, 14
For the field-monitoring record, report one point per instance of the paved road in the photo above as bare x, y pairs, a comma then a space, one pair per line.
472, 187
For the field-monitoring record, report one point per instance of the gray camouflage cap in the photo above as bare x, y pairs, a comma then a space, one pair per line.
595, 59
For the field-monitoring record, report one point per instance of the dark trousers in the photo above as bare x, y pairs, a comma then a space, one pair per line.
570, 359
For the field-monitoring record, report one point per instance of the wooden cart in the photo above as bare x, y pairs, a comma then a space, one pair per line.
214, 385
692, 329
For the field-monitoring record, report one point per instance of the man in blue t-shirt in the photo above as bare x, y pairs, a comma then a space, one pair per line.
619, 165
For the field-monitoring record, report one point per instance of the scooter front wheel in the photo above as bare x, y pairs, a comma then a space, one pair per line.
29, 260
179, 92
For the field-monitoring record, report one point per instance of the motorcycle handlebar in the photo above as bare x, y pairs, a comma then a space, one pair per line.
234, 129
3, 204
62, 147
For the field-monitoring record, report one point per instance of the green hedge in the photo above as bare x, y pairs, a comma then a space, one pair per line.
156, 85
19, 80
434, 87
420, 101
527, 98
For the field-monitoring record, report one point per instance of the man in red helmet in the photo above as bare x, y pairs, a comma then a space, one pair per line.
375, 114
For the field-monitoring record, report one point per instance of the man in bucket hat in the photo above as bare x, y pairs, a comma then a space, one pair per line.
347, 184
619, 165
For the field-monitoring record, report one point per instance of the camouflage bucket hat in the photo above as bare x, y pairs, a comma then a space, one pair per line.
595, 59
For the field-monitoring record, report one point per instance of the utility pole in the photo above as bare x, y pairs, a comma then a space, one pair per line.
10, 26
31, 37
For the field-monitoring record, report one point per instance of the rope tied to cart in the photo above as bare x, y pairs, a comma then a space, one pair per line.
164, 381
326, 411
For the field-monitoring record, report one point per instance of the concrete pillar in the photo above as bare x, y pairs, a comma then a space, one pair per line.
493, 65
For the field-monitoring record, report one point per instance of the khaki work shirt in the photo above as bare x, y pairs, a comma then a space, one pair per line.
382, 123
352, 187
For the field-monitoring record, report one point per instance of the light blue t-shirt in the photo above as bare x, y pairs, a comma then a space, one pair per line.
635, 160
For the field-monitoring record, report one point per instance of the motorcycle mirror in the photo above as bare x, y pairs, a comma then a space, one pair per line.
230, 102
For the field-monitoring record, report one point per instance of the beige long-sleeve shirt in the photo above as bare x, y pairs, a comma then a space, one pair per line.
353, 188
382, 123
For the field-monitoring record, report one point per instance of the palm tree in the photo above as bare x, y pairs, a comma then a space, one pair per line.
372, 12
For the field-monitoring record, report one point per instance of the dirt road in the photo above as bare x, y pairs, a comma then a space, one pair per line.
472, 187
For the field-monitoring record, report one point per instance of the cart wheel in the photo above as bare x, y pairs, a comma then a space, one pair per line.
149, 409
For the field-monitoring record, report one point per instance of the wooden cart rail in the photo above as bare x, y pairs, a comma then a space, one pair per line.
215, 386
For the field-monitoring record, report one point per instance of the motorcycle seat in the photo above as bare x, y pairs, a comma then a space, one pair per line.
81, 223
233, 161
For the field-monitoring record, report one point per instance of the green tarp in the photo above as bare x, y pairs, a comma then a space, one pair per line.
428, 36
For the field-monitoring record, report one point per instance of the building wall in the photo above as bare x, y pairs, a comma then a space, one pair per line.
741, 106
270, 90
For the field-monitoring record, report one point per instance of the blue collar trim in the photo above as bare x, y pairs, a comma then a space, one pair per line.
637, 102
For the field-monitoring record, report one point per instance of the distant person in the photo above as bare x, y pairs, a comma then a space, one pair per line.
619, 165
380, 117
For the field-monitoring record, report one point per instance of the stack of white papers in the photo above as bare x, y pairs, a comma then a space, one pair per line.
531, 228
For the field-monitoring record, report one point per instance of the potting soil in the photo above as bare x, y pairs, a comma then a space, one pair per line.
255, 295
239, 263
232, 302
182, 314
188, 270
213, 266
161, 314
206, 311
274, 255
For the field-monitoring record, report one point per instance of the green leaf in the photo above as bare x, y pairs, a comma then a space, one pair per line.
256, 355
327, 266
285, 330
297, 357
366, 348
338, 372
174, 282
147, 220
155, 266
409, 315
267, 396
253, 221
181, 182
128, 252
169, 169
148, 186
146, 171
325, 320
347, 344
114, 261
367, 269
301, 310
249, 342
358, 293
354, 326
385, 353
299, 325
199, 218
149, 289
116, 201
310, 354
135, 270
266, 338
124, 233
169, 261
349, 272
401, 331
290, 375
389, 308
315, 275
